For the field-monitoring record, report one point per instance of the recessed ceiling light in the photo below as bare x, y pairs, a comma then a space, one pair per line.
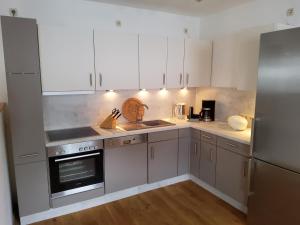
198, 0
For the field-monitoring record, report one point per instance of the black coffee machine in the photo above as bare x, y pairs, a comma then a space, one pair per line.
207, 113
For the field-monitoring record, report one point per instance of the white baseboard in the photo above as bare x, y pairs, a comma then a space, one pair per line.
55, 212
219, 194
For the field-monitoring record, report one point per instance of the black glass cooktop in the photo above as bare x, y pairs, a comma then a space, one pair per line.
66, 134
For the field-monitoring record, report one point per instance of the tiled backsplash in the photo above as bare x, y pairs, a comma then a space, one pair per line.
228, 101
81, 110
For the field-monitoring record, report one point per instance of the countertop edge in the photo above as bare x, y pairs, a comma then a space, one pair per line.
106, 134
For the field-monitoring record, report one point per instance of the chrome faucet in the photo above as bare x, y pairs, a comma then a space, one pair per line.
137, 112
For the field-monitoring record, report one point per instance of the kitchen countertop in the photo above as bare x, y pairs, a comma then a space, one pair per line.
218, 128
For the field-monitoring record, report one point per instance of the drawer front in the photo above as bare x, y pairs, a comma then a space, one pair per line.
209, 138
185, 132
196, 133
162, 135
234, 146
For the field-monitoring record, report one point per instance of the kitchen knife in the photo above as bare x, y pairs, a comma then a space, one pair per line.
116, 113
118, 116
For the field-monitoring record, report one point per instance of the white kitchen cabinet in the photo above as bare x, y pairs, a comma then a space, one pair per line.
116, 61
232, 174
224, 60
235, 59
67, 59
152, 61
197, 63
175, 63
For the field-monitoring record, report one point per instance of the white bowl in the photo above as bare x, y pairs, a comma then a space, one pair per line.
237, 123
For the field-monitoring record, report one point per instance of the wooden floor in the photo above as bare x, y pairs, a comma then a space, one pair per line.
184, 203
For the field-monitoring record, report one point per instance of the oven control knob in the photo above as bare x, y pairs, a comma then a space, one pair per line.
81, 149
92, 148
86, 148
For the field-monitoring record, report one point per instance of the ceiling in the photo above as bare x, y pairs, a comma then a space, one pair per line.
183, 7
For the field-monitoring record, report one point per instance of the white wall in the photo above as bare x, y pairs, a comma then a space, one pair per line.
101, 16
256, 13
6, 217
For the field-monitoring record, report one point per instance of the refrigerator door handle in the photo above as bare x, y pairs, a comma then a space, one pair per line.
251, 177
254, 123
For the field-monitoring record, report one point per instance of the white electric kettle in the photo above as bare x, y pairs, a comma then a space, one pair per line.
180, 111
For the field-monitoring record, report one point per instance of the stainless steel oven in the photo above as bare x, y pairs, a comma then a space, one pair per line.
75, 168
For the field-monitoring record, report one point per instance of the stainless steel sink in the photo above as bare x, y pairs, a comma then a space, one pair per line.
157, 123
146, 125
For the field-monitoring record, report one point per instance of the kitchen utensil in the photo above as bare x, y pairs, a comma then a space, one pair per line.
111, 121
180, 111
116, 113
131, 109
118, 116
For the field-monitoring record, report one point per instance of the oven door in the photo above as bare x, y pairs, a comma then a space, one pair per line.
76, 173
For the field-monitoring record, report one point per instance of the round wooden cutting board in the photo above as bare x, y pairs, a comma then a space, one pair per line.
130, 107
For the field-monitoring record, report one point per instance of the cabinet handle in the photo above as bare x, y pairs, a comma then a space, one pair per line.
245, 170
164, 79
205, 136
76, 157
29, 155
22, 73
91, 79
211, 154
180, 79
195, 149
100, 79
231, 145
152, 153
251, 178
187, 79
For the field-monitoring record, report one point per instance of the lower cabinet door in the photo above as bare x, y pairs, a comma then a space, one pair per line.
195, 157
232, 174
162, 160
184, 155
125, 167
208, 163
32, 188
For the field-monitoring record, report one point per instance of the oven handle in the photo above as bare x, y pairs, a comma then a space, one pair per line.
76, 157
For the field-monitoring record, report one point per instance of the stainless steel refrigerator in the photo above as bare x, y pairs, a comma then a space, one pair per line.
274, 197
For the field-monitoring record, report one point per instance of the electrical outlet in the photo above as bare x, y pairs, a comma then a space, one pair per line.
118, 23
290, 12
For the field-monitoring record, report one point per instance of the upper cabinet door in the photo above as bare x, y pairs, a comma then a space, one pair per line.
67, 59
197, 63
235, 59
20, 40
116, 61
175, 63
153, 62
225, 61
